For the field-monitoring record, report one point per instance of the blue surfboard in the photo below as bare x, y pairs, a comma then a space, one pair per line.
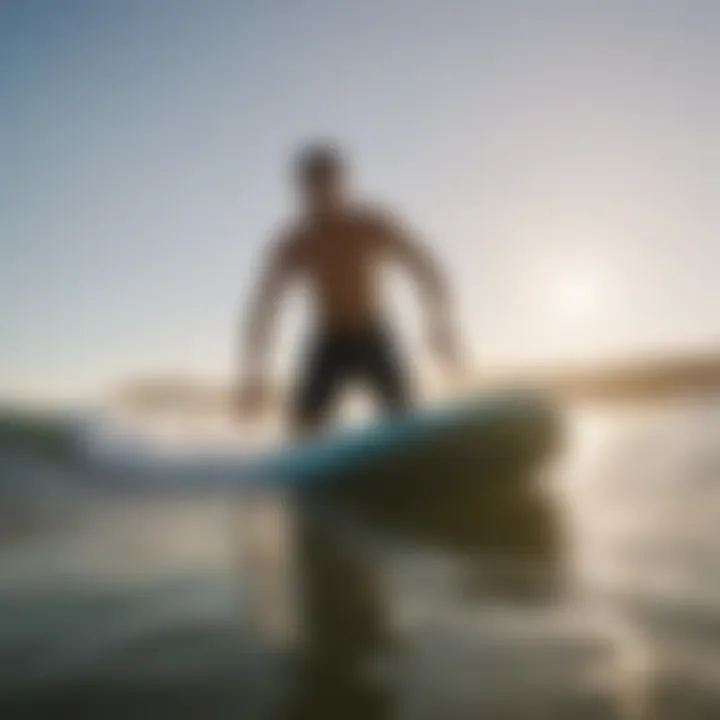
462, 441
450, 474
509, 426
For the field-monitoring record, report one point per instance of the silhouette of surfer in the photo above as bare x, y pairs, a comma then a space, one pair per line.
338, 247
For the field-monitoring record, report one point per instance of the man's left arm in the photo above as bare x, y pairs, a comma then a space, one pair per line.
404, 246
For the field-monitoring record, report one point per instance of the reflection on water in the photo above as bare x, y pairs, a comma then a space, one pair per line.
598, 597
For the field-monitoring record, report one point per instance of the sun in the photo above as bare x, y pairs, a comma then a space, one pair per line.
578, 295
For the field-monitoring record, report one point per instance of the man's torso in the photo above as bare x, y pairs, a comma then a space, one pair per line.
339, 258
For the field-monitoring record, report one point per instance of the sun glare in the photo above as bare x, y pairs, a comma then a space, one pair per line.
578, 295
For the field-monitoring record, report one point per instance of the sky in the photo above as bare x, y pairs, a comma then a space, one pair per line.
560, 156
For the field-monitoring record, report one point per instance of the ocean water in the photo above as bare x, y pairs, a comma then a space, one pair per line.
136, 605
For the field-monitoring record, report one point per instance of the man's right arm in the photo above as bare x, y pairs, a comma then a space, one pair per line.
256, 333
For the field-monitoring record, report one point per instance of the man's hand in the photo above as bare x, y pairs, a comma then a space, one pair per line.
443, 344
251, 398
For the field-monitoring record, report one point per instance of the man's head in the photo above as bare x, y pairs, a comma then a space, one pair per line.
321, 177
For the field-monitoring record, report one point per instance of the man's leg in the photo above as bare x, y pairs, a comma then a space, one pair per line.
316, 387
338, 606
383, 369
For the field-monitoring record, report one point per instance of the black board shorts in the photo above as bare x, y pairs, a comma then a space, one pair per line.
338, 357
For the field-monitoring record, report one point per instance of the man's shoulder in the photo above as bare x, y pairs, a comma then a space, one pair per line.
373, 216
287, 240
286, 230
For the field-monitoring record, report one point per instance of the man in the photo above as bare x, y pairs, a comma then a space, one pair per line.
338, 246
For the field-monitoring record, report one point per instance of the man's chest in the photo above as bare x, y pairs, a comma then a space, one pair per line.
338, 251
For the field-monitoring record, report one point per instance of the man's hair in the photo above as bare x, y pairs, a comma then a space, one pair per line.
319, 162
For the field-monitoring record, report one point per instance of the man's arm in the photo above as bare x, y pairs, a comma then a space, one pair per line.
257, 331
405, 248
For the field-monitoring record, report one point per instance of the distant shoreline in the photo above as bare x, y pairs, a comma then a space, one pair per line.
626, 380
618, 381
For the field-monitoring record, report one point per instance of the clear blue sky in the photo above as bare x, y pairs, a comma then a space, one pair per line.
562, 156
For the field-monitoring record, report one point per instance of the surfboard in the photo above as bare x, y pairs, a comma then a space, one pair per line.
459, 474
457, 442
457, 477
499, 427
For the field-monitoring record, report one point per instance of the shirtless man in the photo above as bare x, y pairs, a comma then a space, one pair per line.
338, 248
